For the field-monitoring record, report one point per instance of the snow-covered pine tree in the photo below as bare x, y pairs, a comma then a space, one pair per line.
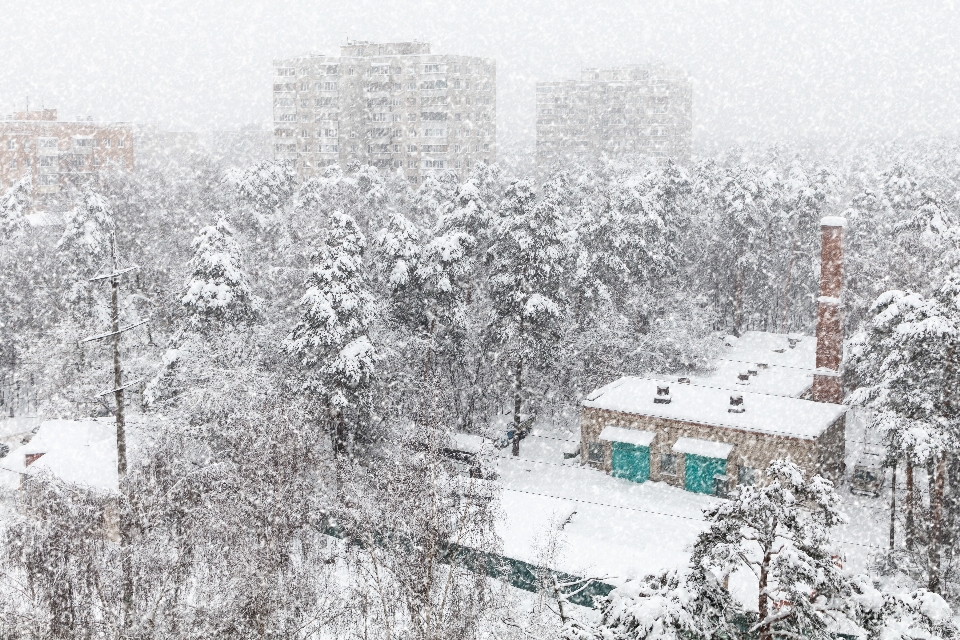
331, 341
530, 259
777, 533
14, 206
266, 186
654, 608
882, 614
905, 366
218, 288
85, 242
741, 218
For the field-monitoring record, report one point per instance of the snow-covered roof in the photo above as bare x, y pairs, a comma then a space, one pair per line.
781, 369
708, 405
630, 436
76, 451
469, 442
10, 427
705, 448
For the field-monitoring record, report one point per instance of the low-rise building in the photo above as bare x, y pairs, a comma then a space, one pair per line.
770, 396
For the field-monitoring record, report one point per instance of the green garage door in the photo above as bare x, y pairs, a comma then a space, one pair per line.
631, 462
698, 472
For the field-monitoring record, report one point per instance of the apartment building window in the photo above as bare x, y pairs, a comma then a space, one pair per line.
329, 86
307, 148
411, 148
433, 116
47, 143
660, 105
396, 117
396, 149
305, 103
456, 148
431, 68
13, 164
349, 71
412, 179
305, 133
305, 117
120, 142
48, 161
49, 179
331, 148
380, 117
325, 102
283, 102
397, 133
107, 143
466, 85
412, 133
486, 147
96, 161
434, 164
287, 117
286, 71
434, 133
304, 86
457, 164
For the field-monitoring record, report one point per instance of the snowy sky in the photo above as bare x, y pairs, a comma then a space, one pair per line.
774, 70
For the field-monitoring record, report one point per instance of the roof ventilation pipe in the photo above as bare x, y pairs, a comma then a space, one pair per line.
736, 403
663, 395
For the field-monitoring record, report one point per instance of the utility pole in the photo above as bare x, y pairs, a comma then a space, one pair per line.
125, 524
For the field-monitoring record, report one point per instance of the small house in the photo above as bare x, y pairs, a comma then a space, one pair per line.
768, 396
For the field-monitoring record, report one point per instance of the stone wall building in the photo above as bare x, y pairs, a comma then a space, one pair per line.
396, 106
57, 152
614, 113
769, 396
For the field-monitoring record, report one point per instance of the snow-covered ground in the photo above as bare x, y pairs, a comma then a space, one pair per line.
619, 529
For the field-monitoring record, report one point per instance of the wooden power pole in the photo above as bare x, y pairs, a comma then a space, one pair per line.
116, 271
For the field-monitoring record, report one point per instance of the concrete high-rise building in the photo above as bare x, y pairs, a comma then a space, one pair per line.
395, 106
612, 113
55, 152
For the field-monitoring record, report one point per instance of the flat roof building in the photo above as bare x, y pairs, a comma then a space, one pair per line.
395, 106
770, 396
55, 152
615, 113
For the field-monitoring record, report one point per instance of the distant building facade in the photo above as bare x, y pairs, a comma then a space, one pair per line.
56, 152
613, 113
395, 106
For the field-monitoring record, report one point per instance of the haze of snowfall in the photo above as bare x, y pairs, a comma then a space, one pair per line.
295, 366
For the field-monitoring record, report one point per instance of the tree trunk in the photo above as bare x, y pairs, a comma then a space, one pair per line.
516, 407
893, 510
909, 530
786, 290
738, 303
764, 601
936, 523
123, 505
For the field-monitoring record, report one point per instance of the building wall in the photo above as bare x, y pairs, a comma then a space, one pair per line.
756, 450
615, 113
55, 153
392, 105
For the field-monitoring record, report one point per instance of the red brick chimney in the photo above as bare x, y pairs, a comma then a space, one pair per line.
826, 380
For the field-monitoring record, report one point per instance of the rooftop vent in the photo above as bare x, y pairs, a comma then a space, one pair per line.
736, 403
779, 350
793, 340
752, 371
683, 380
743, 377
762, 365
663, 395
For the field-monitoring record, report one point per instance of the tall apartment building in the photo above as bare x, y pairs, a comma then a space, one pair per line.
612, 113
55, 152
395, 106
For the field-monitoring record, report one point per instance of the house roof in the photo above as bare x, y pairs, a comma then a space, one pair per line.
708, 405
782, 370
76, 451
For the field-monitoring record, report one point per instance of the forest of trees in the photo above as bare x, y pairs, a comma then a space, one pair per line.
310, 348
